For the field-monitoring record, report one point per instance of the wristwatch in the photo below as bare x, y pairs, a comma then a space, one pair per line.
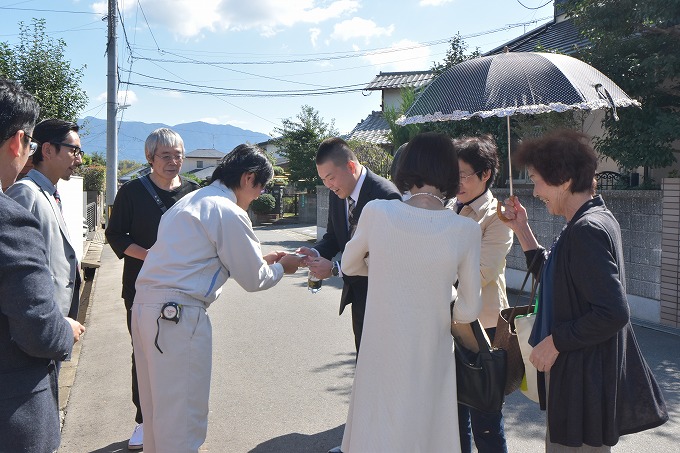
335, 270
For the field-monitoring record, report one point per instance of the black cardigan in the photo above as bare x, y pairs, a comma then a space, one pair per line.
600, 385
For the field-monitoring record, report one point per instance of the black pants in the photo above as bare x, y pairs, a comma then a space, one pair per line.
135, 388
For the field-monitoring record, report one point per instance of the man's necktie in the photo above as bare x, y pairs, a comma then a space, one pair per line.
57, 198
350, 216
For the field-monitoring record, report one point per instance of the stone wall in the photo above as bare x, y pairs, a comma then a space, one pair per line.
650, 228
639, 213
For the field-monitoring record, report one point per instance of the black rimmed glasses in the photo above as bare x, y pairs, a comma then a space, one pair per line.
464, 178
33, 145
76, 151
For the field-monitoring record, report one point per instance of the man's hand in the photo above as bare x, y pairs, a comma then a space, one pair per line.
273, 257
320, 267
290, 263
78, 329
308, 253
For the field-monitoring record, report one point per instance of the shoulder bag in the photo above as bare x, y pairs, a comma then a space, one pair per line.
480, 369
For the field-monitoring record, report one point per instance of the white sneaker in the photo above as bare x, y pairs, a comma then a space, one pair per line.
136, 441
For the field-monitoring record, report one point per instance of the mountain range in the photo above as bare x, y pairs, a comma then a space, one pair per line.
133, 134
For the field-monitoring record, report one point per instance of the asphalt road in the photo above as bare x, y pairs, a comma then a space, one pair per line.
283, 363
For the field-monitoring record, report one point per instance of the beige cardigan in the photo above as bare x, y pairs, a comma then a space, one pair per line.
496, 243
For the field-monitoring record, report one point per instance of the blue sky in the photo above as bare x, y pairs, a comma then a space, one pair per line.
264, 49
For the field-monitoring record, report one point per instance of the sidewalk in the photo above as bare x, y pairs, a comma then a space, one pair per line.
282, 370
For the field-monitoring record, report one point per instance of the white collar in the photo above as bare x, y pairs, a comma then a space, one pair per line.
357, 188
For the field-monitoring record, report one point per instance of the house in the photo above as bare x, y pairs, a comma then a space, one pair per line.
201, 158
134, 174
374, 128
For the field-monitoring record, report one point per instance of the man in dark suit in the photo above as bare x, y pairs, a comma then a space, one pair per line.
351, 186
33, 333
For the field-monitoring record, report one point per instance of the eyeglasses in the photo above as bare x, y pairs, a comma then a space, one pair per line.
33, 145
76, 150
464, 178
169, 157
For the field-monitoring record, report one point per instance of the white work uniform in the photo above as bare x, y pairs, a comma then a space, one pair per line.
204, 239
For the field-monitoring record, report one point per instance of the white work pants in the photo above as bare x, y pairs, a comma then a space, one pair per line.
174, 386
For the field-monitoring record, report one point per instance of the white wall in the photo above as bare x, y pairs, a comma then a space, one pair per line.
71, 193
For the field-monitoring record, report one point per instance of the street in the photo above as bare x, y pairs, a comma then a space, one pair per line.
283, 363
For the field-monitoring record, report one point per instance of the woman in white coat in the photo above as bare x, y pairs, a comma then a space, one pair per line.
404, 396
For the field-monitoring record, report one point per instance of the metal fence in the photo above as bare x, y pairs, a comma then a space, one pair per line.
92, 217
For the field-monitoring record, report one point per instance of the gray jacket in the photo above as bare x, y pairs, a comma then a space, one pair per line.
36, 193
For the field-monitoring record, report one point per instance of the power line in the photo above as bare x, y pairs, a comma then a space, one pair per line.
236, 90
221, 94
327, 56
537, 7
147, 25
49, 10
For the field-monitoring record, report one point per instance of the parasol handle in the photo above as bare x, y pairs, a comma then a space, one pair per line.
500, 207
509, 156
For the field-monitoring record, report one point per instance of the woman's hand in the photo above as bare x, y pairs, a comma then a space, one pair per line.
515, 215
544, 354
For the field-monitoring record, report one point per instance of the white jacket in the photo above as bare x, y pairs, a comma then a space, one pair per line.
204, 239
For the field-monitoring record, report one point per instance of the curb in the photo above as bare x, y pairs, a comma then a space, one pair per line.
67, 375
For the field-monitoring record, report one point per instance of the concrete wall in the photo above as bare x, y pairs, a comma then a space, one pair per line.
307, 208
670, 258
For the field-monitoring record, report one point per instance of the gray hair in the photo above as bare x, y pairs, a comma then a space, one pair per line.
161, 137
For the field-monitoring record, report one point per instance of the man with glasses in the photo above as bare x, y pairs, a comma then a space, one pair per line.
33, 333
57, 157
133, 226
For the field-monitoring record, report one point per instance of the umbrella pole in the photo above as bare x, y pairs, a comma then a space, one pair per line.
509, 156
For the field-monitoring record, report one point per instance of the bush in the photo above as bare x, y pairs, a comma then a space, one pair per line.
264, 204
94, 177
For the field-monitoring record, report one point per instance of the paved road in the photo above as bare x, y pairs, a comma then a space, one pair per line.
283, 363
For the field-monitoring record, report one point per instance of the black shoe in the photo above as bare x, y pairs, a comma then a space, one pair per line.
335, 450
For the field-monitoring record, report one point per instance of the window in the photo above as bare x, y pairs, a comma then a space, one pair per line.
199, 164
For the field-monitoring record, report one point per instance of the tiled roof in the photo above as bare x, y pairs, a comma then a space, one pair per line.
202, 173
374, 129
561, 36
206, 153
410, 79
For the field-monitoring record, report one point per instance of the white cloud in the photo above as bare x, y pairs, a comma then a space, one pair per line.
125, 97
359, 28
187, 20
404, 55
433, 2
314, 35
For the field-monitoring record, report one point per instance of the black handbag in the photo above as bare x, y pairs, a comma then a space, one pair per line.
480, 375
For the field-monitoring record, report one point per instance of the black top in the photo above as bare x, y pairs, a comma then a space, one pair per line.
134, 220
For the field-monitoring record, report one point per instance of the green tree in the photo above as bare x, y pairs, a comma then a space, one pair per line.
299, 140
373, 157
39, 64
636, 44
455, 54
401, 134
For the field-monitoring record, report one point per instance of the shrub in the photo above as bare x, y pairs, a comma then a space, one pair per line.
264, 204
94, 177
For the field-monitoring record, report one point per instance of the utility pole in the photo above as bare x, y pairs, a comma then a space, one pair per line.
111, 110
